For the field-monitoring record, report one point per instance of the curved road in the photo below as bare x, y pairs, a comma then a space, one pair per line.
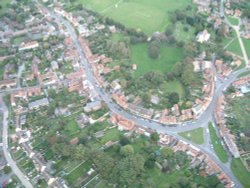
173, 131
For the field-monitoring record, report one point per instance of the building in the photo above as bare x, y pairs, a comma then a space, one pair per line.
28, 45
122, 123
93, 106
203, 36
38, 103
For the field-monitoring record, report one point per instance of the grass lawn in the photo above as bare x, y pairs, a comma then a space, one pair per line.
233, 20
234, 47
240, 172
147, 15
195, 135
244, 74
216, 142
111, 134
174, 86
72, 128
164, 180
18, 40
247, 46
182, 35
4, 5
78, 172
168, 57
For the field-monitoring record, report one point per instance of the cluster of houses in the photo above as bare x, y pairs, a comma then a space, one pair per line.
242, 84
199, 159
220, 120
23, 136
230, 11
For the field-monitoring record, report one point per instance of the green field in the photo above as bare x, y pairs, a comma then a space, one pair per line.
216, 142
147, 15
234, 47
243, 74
78, 172
240, 172
4, 6
174, 86
233, 20
247, 46
195, 135
182, 35
168, 57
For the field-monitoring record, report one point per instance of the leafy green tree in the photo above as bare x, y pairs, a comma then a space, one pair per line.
154, 137
127, 150
167, 152
6, 169
79, 153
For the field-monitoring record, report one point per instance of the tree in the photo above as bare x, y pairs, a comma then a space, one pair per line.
167, 152
154, 137
6, 169
213, 181
188, 76
169, 31
124, 141
149, 163
154, 51
79, 153
127, 150
177, 69
67, 150
129, 170
173, 98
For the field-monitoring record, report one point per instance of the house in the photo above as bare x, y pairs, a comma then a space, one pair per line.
175, 109
28, 45
120, 100
54, 65
38, 103
8, 83
82, 120
244, 89
146, 113
93, 106
155, 99
74, 141
122, 123
203, 36
134, 67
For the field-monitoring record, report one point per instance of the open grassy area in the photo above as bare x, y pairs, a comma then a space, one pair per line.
234, 47
174, 86
164, 180
195, 135
147, 15
240, 172
247, 46
184, 35
216, 142
168, 57
78, 172
233, 20
111, 135
244, 74
4, 6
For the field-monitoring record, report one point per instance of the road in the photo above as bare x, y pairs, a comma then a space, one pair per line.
173, 131
7, 155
